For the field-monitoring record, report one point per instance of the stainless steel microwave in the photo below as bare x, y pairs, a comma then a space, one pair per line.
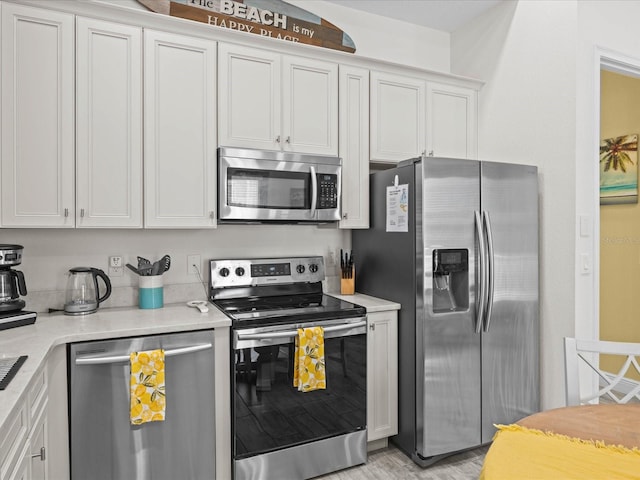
258, 186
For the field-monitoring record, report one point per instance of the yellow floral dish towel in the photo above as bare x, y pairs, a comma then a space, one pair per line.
147, 387
308, 365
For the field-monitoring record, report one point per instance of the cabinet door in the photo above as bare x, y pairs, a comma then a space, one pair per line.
179, 131
310, 106
249, 97
37, 156
38, 445
397, 117
354, 146
382, 375
109, 124
23, 468
451, 121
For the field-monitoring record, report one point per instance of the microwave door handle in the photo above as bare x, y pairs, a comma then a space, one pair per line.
314, 190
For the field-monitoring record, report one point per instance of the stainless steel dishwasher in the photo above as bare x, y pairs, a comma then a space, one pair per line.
104, 443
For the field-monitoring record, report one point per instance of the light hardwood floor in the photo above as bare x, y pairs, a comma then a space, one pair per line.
391, 464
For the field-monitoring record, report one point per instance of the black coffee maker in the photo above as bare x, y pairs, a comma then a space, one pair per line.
12, 283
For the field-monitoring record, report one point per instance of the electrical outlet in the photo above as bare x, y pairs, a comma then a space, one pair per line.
193, 264
115, 261
116, 268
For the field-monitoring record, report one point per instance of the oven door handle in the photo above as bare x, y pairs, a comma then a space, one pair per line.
293, 333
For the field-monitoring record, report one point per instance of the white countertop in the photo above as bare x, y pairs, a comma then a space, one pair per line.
51, 330
372, 304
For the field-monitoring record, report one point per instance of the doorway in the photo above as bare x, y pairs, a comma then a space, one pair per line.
618, 249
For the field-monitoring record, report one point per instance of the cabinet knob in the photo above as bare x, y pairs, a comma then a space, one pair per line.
278, 139
42, 455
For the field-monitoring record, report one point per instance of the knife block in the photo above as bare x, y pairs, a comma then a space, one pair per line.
348, 285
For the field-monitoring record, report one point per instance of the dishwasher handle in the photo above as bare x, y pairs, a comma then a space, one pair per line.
88, 360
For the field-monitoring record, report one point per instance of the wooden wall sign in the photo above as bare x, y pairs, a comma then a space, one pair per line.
269, 18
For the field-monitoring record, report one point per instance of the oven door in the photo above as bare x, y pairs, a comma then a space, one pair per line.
274, 186
269, 413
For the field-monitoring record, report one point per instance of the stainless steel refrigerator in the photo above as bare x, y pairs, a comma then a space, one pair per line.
455, 242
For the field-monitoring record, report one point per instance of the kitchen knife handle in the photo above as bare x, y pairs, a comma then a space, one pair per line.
482, 287
490, 269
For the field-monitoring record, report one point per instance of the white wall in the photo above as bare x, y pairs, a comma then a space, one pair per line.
375, 37
525, 52
50, 253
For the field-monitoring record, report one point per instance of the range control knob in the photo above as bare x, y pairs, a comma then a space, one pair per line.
300, 269
239, 271
313, 268
224, 272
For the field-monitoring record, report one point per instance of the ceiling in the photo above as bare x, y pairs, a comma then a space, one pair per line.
446, 15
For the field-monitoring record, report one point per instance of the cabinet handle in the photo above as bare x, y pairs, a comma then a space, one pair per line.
372, 326
212, 214
82, 213
288, 140
345, 216
42, 454
431, 153
278, 139
66, 212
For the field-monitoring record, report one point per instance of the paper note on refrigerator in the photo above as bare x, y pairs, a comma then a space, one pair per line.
398, 208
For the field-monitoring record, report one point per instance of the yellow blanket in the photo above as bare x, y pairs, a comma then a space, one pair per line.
308, 367
521, 453
147, 390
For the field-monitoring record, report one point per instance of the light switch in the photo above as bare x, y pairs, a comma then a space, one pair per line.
585, 226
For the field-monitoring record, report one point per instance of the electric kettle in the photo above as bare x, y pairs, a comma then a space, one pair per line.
83, 295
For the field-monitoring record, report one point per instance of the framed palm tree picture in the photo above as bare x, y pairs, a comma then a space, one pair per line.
619, 170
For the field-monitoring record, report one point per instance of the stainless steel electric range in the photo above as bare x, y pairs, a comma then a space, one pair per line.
277, 430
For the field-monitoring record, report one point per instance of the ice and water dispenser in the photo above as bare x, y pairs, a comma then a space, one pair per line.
450, 280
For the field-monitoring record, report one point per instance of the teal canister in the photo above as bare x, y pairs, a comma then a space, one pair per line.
151, 291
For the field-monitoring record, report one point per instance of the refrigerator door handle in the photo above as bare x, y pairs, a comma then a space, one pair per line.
482, 267
490, 269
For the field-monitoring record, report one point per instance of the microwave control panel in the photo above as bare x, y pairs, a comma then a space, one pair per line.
327, 190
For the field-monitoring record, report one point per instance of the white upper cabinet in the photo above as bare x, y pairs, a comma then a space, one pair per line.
179, 131
277, 102
37, 153
354, 146
451, 121
109, 124
397, 117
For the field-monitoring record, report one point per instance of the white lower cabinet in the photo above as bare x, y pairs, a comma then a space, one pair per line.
23, 444
382, 375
